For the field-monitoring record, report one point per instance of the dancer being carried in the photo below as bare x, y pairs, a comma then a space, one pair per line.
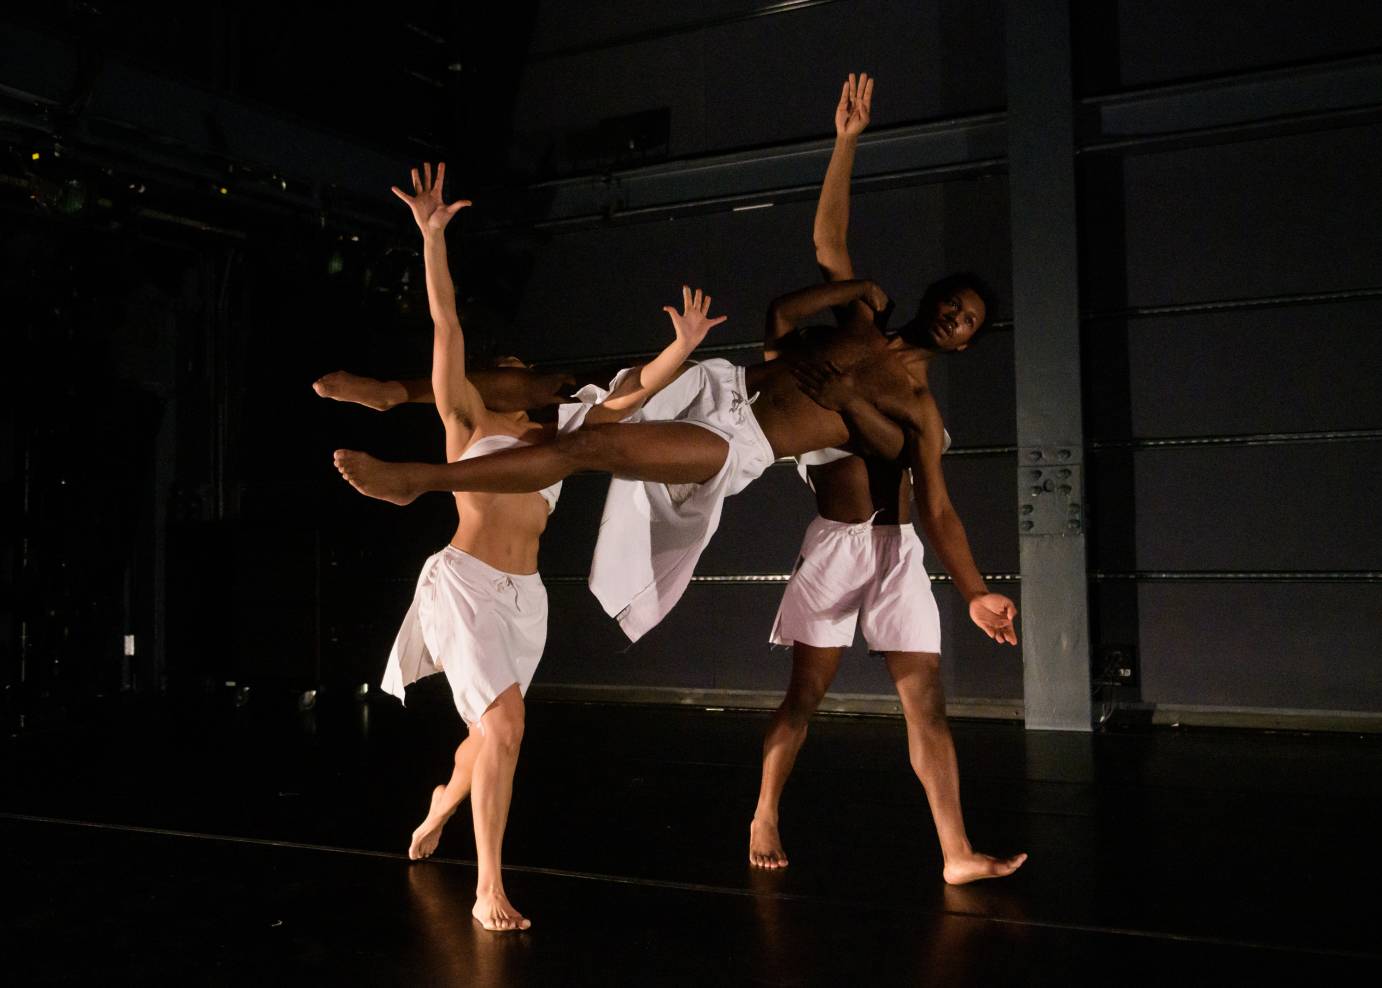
479, 613
861, 561
708, 435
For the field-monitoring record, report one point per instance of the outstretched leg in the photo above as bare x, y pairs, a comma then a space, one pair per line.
445, 799
662, 452
501, 734
372, 392
813, 670
918, 679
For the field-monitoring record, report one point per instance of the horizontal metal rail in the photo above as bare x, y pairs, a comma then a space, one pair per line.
673, 30
1095, 576
731, 579
1258, 439
1235, 304
1238, 576
1337, 92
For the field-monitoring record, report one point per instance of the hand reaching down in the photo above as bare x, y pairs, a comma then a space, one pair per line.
825, 383
994, 614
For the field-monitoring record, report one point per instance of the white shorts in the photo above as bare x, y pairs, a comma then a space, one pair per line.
870, 574
481, 626
652, 535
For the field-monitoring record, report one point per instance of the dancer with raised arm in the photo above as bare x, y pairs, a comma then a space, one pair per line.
861, 561
706, 436
479, 613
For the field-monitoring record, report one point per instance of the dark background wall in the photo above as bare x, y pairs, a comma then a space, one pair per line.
167, 468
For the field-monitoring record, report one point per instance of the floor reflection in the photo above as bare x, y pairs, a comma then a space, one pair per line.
457, 949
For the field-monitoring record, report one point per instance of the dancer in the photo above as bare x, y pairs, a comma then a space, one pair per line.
711, 433
479, 613
861, 561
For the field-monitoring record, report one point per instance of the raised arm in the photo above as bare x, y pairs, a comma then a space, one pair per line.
787, 312
458, 403
829, 233
642, 382
992, 612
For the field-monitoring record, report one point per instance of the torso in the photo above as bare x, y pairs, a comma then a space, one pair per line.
502, 530
792, 422
852, 489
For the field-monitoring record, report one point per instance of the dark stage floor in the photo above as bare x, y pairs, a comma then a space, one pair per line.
203, 844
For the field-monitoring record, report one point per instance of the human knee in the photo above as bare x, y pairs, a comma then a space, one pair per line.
503, 724
505, 734
802, 701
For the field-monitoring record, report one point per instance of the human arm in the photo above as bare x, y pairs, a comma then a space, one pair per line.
787, 312
871, 432
832, 210
642, 382
992, 612
458, 403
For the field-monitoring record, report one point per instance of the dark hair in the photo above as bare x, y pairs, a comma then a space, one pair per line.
944, 288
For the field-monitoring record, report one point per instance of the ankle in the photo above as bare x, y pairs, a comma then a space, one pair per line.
959, 849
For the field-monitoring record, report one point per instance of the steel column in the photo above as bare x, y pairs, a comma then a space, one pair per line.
1046, 326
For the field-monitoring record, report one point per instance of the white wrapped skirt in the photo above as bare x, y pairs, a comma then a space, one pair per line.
484, 628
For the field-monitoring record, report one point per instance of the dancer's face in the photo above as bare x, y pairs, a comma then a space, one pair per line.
956, 319
509, 362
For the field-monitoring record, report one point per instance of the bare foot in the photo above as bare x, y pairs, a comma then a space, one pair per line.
494, 912
345, 386
375, 478
972, 867
765, 846
427, 834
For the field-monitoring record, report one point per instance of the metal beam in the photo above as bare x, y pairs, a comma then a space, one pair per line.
1046, 351
910, 155
1244, 105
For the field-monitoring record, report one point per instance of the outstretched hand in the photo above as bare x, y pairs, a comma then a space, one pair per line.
825, 383
693, 321
994, 614
852, 115
429, 212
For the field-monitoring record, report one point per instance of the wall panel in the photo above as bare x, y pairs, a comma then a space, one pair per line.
1300, 368
1131, 44
1296, 507
764, 80
1288, 646
1244, 220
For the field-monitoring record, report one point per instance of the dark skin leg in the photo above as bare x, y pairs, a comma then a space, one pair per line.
813, 670
917, 677
660, 452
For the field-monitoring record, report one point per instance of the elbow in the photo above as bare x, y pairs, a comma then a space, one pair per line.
829, 248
